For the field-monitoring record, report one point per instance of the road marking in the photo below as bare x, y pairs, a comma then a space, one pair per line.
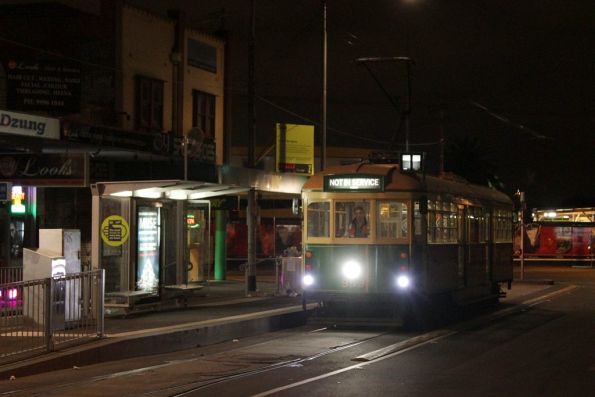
419, 341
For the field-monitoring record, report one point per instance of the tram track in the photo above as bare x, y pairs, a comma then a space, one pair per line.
213, 378
208, 381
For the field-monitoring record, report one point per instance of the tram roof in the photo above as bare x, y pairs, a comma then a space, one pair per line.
396, 181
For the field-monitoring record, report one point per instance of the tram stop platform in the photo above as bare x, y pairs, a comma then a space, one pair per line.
222, 313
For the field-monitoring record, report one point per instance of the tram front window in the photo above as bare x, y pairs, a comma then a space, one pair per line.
392, 220
318, 219
351, 219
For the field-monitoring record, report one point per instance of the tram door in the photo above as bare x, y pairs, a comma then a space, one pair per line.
462, 239
198, 241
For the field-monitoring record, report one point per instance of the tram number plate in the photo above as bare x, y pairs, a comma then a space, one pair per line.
353, 283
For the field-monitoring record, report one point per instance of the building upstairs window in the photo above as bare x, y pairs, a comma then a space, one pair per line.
203, 112
149, 104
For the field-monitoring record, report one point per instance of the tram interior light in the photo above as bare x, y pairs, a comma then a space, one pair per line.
351, 270
308, 280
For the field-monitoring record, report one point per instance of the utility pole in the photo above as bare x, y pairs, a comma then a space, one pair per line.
441, 141
252, 202
324, 89
521, 196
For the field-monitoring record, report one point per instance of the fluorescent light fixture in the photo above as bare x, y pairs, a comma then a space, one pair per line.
148, 193
177, 195
199, 195
124, 193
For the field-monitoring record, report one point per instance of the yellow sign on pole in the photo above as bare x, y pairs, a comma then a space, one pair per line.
114, 230
295, 148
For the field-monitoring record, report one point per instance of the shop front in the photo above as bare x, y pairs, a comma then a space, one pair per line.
153, 238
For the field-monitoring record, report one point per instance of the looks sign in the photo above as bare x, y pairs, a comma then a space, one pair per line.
44, 169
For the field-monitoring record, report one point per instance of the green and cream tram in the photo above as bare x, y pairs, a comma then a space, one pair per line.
375, 234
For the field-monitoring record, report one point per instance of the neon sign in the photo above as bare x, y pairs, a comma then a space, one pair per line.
17, 198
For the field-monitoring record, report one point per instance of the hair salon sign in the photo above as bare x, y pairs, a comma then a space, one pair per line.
45, 169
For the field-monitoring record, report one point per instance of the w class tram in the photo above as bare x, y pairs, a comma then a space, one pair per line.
377, 235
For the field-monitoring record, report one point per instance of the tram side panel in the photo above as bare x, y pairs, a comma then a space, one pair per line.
442, 268
502, 262
476, 272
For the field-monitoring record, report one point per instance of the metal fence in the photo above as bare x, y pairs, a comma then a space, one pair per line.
39, 316
11, 274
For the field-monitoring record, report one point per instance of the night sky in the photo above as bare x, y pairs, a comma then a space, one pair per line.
518, 77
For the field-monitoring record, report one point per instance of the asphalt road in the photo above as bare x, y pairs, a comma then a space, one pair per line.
539, 343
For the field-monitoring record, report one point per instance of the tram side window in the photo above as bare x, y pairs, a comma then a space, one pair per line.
476, 225
318, 219
392, 219
352, 219
502, 226
442, 222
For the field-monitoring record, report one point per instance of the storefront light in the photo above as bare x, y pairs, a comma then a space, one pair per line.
18, 198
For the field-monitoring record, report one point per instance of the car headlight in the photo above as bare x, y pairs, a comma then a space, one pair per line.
403, 281
351, 270
307, 280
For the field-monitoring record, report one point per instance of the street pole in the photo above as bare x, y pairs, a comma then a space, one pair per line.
522, 201
324, 89
251, 217
408, 110
251, 210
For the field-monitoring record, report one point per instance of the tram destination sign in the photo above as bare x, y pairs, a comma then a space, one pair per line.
354, 183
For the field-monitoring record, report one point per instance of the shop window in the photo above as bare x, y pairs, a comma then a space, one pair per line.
203, 112
318, 219
149, 104
352, 219
392, 220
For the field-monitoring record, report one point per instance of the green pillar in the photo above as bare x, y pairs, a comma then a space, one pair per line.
220, 235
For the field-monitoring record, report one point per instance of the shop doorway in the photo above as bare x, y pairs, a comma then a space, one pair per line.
198, 241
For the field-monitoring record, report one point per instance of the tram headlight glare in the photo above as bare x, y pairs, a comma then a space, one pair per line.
403, 281
308, 280
351, 270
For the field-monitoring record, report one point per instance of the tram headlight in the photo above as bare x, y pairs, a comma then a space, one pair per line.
403, 281
307, 280
351, 270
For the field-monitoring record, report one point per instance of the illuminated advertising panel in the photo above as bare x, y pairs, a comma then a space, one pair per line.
295, 148
148, 244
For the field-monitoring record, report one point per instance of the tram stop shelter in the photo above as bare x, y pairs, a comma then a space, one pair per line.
153, 237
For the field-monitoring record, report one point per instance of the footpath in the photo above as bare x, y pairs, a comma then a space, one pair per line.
223, 313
